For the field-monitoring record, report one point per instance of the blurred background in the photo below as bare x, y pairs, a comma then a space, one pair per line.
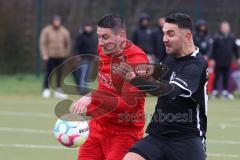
27, 119
22, 21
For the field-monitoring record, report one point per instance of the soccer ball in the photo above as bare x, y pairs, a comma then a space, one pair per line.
71, 133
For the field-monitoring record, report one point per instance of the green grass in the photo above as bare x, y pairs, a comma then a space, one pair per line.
23, 110
20, 85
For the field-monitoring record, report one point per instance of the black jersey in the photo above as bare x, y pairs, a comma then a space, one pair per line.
185, 114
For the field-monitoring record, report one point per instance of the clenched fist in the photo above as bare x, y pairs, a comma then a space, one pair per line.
144, 70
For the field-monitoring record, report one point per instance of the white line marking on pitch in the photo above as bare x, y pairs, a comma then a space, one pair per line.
33, 146
235, 119
223, 155
223, 142
26, 114
224, 125
25, 130
39, 131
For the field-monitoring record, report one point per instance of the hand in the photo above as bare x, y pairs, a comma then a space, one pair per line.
144, 70
80, 106
126, 71
45, 57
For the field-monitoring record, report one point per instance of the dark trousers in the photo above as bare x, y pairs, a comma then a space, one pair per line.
82, 74
221, 71
51, 64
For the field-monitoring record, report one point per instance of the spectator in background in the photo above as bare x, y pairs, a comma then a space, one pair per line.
86, 44
224, 47
55, 47
158, 45
142, 36
201, 39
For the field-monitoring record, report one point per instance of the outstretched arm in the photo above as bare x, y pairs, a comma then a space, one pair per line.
185, 84
146, 78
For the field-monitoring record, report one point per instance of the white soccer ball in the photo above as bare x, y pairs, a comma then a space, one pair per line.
71, 133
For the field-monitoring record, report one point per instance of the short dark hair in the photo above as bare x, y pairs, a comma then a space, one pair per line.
112, 21
181, 20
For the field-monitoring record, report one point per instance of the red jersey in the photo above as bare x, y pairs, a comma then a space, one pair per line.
117, 104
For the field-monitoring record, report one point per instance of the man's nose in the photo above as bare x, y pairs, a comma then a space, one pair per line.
165, 39
100, 42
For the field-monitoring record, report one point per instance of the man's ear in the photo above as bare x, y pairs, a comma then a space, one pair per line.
123, 34
188, 36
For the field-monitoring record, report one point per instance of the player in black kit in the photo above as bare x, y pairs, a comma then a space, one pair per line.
178, 126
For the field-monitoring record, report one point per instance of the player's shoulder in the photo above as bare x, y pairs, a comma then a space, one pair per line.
196, 60
135, 53
193, 60
130, 47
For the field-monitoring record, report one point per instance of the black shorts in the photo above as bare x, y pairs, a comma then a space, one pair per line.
155, 148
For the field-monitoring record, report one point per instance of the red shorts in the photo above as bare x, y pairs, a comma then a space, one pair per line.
107, 145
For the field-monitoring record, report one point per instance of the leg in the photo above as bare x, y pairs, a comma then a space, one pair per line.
91, 149
217, 71
225, 92
117, 145
49, 68
225, 72
59, 80
133, 156
148, 148
76, 75
59, 61
83, 77
186, 149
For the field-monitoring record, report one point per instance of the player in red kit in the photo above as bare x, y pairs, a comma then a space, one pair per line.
116, 107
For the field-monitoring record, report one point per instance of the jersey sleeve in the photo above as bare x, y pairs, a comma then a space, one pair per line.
188, 79
131, 95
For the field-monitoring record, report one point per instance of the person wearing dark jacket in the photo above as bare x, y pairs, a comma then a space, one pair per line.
224, 47
201, 39
86, 44
142, 36
159, 50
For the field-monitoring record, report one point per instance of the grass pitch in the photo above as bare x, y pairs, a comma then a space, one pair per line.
27, 120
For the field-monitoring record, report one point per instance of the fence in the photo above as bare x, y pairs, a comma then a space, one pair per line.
21, 21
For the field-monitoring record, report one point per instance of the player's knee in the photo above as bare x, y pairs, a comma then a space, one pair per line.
133, 156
